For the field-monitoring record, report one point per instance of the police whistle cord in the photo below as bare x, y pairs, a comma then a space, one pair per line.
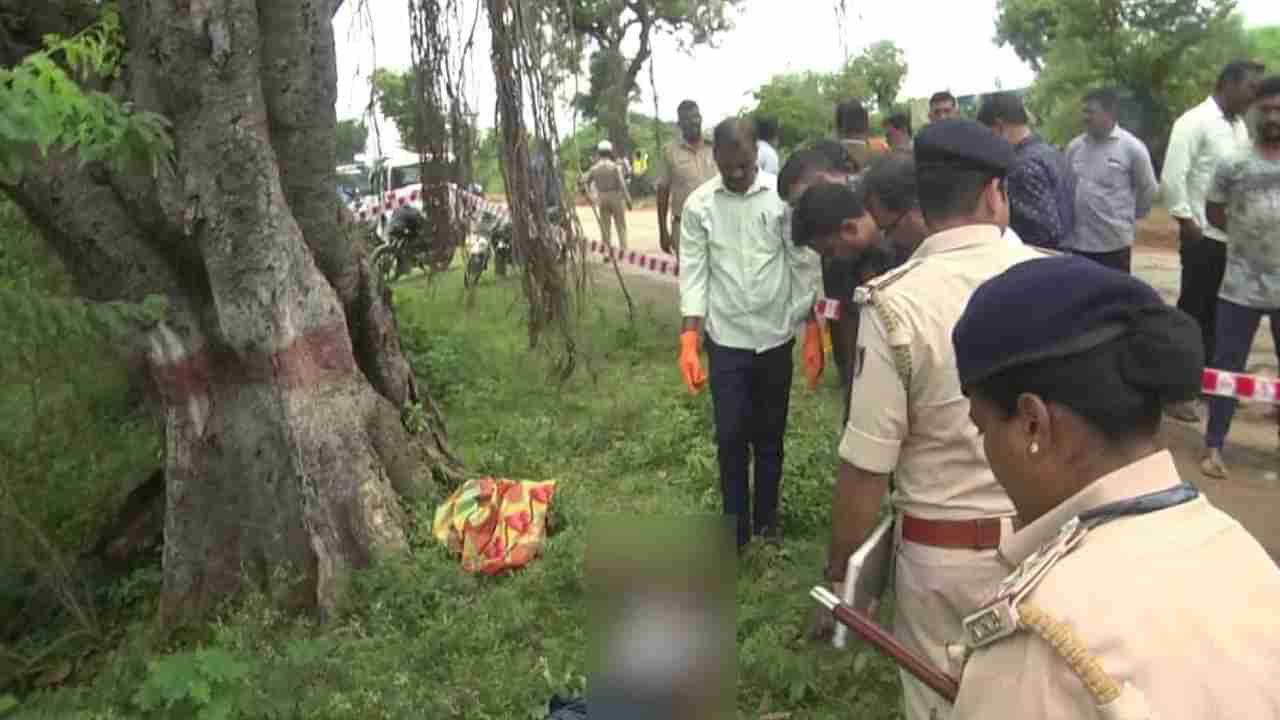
1252, 388
825, 308
921, 669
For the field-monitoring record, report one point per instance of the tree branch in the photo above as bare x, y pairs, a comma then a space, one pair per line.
110, 229
26, 23
643, 52
299, 72
108, 254
299, 84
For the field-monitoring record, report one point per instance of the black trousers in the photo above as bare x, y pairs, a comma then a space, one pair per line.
1203, 262
839, 279
1121, 260
751, 394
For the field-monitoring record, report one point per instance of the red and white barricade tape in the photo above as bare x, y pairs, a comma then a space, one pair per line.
1250, 388
412, 195
661, 266
826, 308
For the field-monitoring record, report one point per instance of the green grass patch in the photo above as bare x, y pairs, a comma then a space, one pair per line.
421, 639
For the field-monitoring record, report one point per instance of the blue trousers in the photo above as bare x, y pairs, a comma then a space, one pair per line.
1235, 326
751, 393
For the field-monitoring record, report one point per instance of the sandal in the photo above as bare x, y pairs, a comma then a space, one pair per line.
1212, 464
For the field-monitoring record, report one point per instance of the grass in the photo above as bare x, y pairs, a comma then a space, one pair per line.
420, 639
72, 444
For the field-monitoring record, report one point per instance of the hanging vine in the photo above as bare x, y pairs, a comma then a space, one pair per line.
842, 18
517, 53
436, 140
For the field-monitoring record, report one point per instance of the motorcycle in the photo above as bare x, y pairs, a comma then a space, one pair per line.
479, 250
497, 229
408, 244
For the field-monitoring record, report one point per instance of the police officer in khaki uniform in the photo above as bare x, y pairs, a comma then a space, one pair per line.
686, 164
912, 420
612, 197
1133, 596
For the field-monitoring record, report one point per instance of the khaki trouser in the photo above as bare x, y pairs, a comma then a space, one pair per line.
613, 209
934, 589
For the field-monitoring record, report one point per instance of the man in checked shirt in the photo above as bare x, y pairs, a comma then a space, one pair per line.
1041, 185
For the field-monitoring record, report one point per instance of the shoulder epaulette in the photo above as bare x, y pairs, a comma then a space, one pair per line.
999, 619
1012, 612
862, 295
898, 333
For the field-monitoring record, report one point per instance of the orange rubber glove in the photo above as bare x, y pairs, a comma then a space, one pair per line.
812, 352
691, 361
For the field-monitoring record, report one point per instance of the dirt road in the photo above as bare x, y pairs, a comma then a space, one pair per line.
1252, 492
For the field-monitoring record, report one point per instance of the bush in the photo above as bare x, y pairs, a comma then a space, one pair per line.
72, 446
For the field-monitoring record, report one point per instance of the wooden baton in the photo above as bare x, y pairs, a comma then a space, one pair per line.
864, 626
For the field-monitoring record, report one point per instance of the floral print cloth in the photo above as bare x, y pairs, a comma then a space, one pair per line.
497, 524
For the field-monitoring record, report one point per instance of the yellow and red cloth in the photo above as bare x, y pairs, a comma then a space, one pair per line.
497, 524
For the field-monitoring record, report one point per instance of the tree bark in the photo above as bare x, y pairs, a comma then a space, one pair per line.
280, 369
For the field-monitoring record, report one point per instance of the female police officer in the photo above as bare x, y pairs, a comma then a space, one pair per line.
1133, 596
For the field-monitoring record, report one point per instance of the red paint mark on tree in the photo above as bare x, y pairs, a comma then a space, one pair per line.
320, 355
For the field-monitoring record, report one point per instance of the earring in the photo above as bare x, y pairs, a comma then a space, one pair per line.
1035, 447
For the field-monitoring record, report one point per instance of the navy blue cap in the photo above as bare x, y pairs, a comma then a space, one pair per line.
1045, 309
963, 145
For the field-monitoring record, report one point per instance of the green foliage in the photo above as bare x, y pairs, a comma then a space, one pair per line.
43, 104
874, 76
1264, 46
606, 72
488, 161
421, 639
353, 135
804, 103
69, 422
73, 444
395, 93
609, 26
200, 684
26, 263
1164, 53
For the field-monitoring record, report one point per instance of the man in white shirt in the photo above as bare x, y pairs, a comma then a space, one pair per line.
749, 289
1201, 139
766, 131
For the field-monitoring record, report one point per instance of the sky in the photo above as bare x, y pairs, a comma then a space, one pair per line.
947, 46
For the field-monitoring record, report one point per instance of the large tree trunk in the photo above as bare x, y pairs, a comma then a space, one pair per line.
280, 369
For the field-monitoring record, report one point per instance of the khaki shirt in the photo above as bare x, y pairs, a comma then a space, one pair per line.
606, 176
685, 168
924, 435
1179, 603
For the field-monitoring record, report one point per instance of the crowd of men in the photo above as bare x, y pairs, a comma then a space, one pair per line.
908, 235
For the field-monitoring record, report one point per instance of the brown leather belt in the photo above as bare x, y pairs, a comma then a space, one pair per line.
981, 534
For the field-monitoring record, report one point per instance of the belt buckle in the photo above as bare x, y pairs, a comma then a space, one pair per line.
979, 527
